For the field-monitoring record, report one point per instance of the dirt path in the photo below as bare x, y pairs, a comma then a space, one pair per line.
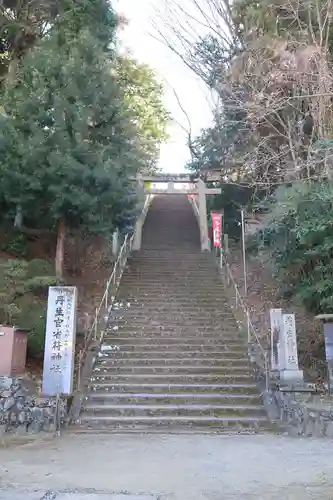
173, 467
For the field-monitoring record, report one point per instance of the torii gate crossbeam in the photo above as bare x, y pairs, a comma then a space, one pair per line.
197, 188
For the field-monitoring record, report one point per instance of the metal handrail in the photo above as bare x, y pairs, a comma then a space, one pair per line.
251, 331
110, 291
114, 280
112, 285
194, 203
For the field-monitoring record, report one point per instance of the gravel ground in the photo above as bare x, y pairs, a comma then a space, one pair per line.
168, 467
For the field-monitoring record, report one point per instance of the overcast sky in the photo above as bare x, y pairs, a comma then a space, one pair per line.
173, 74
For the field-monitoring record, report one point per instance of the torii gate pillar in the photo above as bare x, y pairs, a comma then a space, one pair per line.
204, 240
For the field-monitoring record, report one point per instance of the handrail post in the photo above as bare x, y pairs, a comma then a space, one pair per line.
252, 336
266, 370
79, 370
249, 339
107, 294
96, 324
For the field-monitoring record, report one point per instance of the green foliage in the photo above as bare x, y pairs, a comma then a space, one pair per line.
80, 122
23, 288
33, 317
232, 200
299, 237
72, 141
15, 244
77, 122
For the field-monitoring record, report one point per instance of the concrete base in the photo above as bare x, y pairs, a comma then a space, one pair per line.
292, 375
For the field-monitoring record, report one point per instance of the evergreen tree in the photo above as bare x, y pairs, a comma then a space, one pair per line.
73, 143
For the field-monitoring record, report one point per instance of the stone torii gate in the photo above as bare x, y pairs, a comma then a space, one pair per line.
197, 189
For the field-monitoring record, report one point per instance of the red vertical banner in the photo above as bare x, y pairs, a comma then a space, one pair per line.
217, 228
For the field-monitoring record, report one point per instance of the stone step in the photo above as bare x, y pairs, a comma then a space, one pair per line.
183, 378
161, 335
188, 409
175, 356
183, 256
164, 298
146, 284
138, 324
181, 284
109, 345
176, 274
183, 276
173, 270
119, 398
174, 388
136, 298
192, 315
174, 421
190, 341
141, 322
195, 369
106, 362
181, 292
193, 307
169, 260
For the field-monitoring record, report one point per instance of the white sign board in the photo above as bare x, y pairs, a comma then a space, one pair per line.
276, 337
60, 341
290, 368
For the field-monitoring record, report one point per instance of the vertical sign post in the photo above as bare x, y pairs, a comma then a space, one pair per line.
60, 341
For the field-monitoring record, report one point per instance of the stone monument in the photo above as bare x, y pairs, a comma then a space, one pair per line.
284, 355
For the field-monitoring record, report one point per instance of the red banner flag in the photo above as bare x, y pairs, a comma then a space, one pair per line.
217, 228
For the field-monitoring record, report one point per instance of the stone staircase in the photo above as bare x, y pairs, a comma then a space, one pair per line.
172, 358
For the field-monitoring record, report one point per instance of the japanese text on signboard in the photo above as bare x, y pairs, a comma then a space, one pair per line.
217, 228
59, 341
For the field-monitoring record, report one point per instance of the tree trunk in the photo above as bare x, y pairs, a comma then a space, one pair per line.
60, 251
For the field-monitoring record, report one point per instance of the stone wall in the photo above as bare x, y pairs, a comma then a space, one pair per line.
300, 411
22, 412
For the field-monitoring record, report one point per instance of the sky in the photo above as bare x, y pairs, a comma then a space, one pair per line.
175, 76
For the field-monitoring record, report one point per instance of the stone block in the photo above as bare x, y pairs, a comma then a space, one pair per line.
9, 403
5, 383
329, 429
18, 408
21, 430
